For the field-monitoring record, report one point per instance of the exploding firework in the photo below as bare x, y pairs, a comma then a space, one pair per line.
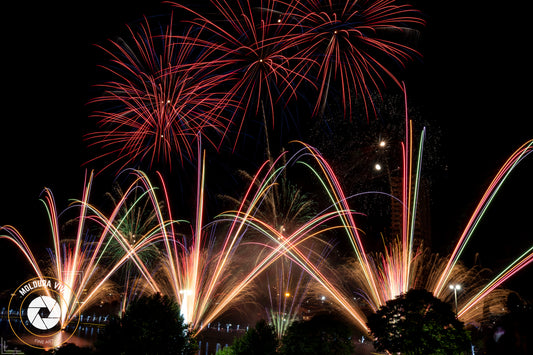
248, 47
353, 43
285, 207
213, 266
246, 59
289, 286
426, 269
208, 269
159, 100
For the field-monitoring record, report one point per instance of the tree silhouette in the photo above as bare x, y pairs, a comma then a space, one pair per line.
418, 323
323, 334
260, 340
151, 325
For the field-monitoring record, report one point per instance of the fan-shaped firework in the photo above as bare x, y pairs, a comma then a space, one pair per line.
289, 286
354, 42
207, 274
396, 270
81, 262
159, 100
285, 207
426, 269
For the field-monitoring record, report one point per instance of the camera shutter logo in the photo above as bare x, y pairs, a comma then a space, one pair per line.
34, 312
40, 315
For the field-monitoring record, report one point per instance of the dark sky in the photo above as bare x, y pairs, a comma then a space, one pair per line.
474, 81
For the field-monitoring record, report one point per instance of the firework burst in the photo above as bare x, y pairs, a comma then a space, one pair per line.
159, 100
289, 285
354, 42
249, 46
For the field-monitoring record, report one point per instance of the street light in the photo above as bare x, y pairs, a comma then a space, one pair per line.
455, 288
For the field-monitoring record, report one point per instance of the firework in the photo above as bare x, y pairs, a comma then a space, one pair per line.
495, 185
272, 231
248, 59
80, 258
159, 101
289, 286
425, 270
285, 207
211, 268
291, 242
206, 271
136, 221
249, 48
15, 237
354, 43
401, 266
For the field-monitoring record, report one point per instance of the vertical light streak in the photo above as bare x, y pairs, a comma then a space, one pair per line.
414, 210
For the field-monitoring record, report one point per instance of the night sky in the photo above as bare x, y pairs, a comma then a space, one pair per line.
473, 83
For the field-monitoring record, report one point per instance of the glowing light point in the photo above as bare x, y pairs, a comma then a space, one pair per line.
377, 167
184, 307
382, 144
455, 288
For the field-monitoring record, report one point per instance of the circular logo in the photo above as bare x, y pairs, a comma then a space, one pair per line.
45, 303
40, 313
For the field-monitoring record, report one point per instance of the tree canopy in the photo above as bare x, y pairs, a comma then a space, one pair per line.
259, 340
323, 334
418, 323
151, 325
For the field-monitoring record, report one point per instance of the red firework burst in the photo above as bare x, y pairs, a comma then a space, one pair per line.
351, 42
248, 47
159, 101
